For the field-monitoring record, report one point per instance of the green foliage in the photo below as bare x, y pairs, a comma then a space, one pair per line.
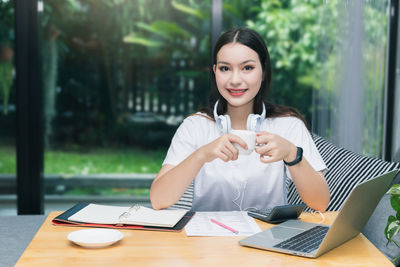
6, 21
236, 12
7, 159
96, 161
133, 39
6, 40
172, 35
6, 69
189, 10
395, 202
307, 40
393, 223
112, 53
169, 32
109, 191
291, 31
394, 190
103, 43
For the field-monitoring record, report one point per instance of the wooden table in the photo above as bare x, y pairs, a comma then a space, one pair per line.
50, 247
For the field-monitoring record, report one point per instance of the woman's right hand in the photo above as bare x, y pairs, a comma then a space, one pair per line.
222, 148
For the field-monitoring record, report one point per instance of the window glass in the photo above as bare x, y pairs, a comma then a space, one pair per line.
286, 28
7, 111
119, 76
328, 61
349, 74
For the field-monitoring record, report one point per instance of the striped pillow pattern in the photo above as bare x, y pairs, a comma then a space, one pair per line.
346, 169
185, 202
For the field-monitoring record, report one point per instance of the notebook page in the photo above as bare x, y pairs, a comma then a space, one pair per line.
100, 214
151, 217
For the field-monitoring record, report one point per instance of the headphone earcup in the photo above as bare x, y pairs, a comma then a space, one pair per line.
224, 123
227, 128
254, 122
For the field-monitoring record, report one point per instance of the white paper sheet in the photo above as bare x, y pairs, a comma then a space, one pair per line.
201, 224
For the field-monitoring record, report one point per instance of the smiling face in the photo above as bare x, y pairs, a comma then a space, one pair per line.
238, 74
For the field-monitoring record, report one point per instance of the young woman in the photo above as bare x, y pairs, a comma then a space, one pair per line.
202, 149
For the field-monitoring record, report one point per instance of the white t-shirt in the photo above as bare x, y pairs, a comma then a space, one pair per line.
244, 183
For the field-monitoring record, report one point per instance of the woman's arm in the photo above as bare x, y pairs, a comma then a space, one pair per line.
172, 181
310, 184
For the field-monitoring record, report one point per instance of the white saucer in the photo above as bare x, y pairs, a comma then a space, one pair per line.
95, 238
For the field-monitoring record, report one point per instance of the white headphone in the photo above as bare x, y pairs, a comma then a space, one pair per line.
253, 120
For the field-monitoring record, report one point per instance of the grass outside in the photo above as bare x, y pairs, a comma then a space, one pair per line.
96, 161
95, 191
7, 160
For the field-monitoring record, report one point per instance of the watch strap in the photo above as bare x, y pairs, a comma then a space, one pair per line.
299, 157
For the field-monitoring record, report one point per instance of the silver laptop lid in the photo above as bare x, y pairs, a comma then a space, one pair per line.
356, 211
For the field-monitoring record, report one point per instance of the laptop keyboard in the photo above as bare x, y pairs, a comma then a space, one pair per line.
306, 241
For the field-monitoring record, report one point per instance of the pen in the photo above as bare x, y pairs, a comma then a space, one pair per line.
225, 226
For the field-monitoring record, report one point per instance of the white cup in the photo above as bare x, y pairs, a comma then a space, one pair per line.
249, 137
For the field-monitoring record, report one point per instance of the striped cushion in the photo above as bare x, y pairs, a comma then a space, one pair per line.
185, 202
346, 169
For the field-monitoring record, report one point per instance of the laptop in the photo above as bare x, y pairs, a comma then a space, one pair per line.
312, 239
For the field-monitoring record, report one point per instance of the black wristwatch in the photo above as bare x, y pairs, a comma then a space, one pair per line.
299, 157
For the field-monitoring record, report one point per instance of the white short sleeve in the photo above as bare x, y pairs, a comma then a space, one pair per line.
299, 135
183, 143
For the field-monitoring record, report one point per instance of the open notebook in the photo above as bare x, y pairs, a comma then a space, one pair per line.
135, 217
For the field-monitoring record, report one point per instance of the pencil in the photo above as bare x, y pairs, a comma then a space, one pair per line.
225, 226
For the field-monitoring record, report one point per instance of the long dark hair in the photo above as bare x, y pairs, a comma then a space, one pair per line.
253, 40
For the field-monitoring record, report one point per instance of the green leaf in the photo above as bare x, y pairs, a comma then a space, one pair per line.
188, 10
394, 190
149, 28
308, 80
134, 39
395, 202
231, 9
6, 69
169, 29
74, 4
392, 228
166, 29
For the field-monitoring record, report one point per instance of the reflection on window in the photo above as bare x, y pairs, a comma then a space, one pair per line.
350, 74
118, 77
7, 110
328, 61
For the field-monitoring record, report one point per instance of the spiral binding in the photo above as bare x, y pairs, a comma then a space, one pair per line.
128, 213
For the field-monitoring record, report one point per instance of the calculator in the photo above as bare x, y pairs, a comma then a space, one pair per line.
278, 214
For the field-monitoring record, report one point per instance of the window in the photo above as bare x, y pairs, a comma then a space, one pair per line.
328, 61
7, 110
118, 78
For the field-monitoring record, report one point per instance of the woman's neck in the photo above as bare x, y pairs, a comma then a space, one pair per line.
238, 116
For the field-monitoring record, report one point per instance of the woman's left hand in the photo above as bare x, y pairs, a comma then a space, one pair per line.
274, 148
